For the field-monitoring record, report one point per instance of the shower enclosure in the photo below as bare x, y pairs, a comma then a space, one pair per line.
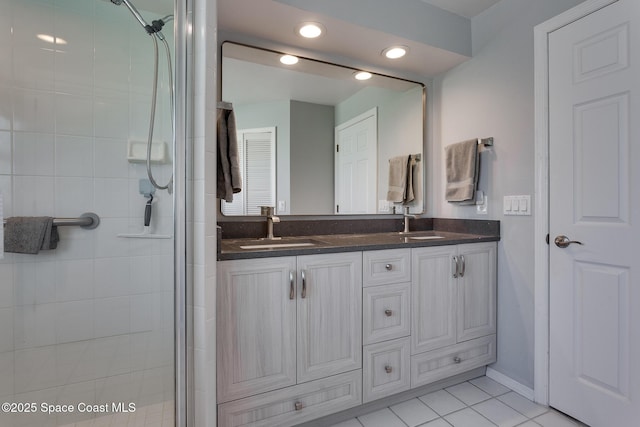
88, 330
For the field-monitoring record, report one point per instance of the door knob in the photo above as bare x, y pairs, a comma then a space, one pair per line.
564, 242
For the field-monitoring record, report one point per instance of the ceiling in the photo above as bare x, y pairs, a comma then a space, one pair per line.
466, 8
274, 22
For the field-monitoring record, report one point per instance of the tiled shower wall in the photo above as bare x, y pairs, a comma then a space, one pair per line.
91, 321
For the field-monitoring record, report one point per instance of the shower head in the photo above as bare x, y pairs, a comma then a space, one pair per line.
154, 28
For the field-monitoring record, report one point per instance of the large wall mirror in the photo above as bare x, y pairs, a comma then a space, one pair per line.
314, 140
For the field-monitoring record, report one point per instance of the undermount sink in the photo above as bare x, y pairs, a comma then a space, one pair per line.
421, 235
279, 244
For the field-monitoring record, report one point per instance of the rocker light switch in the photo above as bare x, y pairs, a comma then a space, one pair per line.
517, 205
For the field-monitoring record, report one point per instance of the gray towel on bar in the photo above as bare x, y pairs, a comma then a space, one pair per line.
462, 171
29, 235
397, 179
409, 195
229, 180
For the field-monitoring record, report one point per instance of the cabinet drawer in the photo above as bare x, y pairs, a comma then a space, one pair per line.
387, 266
386, 311
386, 369
442, 363
294, 405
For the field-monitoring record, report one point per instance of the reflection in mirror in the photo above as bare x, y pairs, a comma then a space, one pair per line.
313, 140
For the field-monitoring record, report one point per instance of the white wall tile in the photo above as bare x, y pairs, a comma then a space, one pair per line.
74, 280
6, 106
33, 66
5, 153
7, 374
74, 115
112, 316
106, 240
74, 156
6, 285
35, 369
6, 329
73, 196
111, 277
34, 325
111, 198
111, 117
73, 321
33, 111
32, 196
33, 153
110, 158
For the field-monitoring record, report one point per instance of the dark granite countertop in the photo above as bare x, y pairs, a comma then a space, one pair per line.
245, 248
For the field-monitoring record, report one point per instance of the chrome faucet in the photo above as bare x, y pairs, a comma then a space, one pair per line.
407, 216
268, 211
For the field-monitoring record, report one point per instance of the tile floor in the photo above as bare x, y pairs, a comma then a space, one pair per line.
477, 403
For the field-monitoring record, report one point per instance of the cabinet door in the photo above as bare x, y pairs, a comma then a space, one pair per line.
476, 290
329, 314
256, 326
433, 295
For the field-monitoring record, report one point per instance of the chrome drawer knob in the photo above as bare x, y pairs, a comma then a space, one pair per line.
298, 406
388, 313
457, 360
388, 369
389, 267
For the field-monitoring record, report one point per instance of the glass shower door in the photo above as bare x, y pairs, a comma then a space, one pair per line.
87, 328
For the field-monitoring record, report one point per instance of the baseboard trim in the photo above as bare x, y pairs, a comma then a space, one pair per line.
511, 383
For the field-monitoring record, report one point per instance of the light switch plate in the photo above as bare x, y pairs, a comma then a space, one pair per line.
517, 205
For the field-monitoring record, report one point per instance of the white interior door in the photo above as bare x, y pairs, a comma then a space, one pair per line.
257, 158
594, 131
356, 164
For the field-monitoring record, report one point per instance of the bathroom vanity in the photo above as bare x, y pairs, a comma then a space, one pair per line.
313, 325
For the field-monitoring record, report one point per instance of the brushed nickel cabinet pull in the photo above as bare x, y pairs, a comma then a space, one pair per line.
463, 265
454, 267
298, 406
292, 287
388, 369
304, 284
388, 313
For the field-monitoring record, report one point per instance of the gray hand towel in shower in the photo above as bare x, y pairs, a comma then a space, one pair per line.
29, 235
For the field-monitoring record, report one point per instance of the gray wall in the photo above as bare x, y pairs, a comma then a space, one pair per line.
312, 161
493, 95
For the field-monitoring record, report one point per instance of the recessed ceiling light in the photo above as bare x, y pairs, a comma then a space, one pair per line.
395, 52
289, 59
310, 30
51, 39
362, 75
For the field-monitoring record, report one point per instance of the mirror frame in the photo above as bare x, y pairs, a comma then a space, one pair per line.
257, 218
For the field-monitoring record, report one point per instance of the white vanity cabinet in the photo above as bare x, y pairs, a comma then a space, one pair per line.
454, 310
301, 337
287, 326
386, 323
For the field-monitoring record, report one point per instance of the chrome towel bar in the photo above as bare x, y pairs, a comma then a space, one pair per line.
87, 220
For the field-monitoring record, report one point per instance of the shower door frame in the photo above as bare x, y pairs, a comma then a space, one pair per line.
181, 211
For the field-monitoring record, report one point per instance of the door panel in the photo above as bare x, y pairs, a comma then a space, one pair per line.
356, 165
329, 314
256, 321
594, 331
